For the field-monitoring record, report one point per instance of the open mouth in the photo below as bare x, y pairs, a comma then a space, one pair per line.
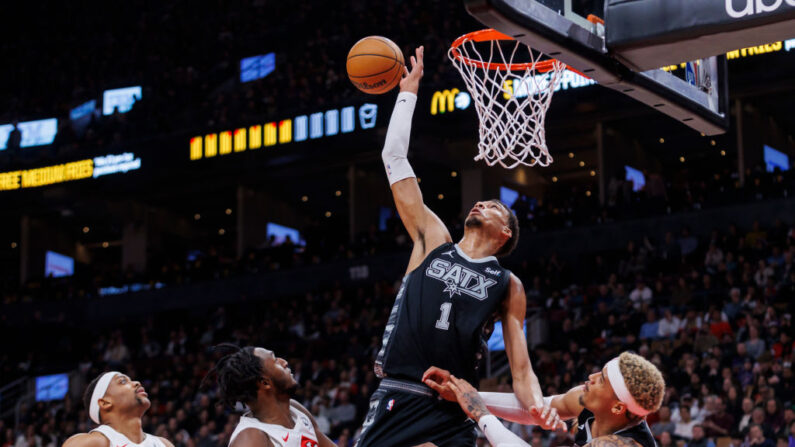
141, 392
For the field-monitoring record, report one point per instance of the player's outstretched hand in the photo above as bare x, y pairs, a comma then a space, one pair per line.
547, 417
411, 79
438, 379
469, 398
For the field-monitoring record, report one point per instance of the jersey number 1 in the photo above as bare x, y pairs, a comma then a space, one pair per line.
443, 322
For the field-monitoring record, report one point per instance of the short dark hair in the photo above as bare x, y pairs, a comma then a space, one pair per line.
89, 392
237, 373
513, 223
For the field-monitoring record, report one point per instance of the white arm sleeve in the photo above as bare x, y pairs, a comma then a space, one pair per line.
497, 434
506, 406
396, 146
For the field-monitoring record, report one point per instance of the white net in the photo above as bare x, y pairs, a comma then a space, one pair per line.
511, 99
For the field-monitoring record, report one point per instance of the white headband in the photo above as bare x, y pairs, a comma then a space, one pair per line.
99, 392
620, 388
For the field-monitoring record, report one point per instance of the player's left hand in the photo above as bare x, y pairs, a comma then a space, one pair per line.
438, 379
547, 417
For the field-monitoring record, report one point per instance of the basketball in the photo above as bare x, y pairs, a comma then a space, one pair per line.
375, 65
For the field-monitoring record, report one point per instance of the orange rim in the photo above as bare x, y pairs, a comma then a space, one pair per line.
487, 35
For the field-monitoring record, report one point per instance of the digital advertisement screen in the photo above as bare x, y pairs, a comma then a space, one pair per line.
121, 98
257, 67
57, 265
84, 110
280, 233
496, 342
33, 133
775, 159
508, 196
636, 177
53, 387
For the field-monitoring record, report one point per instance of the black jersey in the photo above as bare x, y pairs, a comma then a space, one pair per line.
639, 433
439, 315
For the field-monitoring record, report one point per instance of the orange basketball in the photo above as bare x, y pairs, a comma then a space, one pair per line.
375, 65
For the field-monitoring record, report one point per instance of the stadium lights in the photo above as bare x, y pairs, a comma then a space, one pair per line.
453, 174
228, 211
554, 179
304, 198
338, 193
105, 244
712, 143
221, 232
682, 159
582, 163
440, 197
722, 153
197, 216
571, 154
593, 173
662, 140
328, 213
13, 245
86, 230
588, 193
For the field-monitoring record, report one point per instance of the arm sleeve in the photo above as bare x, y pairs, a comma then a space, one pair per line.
497, 434
507, 406
396, 146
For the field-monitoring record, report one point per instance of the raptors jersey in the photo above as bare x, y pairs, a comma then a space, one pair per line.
301, 435
117, 439
439, 315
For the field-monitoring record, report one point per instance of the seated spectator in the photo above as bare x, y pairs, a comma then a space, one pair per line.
756, 438
734, 306
669, 325
755, 346
719, 423
641, 295
651, 328
665, 440
664, 424
699, 439
719, 324
684, 428
774, 417
745, 419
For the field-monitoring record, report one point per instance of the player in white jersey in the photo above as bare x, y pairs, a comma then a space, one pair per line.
264, 383
116, 404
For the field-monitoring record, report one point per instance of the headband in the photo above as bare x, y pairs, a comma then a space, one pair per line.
99, 392
620, 388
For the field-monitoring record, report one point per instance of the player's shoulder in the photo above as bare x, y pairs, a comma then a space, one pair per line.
251, 437
91, 439
613, 441
165, 441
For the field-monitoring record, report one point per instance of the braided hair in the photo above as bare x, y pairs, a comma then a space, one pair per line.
237, 374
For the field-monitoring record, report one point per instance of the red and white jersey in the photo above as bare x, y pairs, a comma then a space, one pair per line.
116, 439
301, 435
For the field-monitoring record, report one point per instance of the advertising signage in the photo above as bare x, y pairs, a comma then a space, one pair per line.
68, 172
301, 128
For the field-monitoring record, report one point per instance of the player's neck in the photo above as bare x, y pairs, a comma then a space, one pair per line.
274, 411
603, 426
476, 245
130, 427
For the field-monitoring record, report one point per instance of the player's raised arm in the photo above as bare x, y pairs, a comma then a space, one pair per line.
525, 383
425, 228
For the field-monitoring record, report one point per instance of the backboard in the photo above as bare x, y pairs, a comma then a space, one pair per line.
573, 31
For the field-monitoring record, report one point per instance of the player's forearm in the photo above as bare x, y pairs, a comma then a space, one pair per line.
507, 406
527, 388
497, 434
396, 147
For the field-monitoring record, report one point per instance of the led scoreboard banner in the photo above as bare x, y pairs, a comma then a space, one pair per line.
68, 172
301, 128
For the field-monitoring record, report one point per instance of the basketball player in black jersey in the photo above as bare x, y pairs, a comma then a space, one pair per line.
449, 293
610, 408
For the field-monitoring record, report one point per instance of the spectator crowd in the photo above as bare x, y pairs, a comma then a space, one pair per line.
712, 311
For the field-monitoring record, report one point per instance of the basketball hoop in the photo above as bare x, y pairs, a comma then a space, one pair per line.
511, 99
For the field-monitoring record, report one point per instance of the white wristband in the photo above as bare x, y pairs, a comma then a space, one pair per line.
497, 434
396, 146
